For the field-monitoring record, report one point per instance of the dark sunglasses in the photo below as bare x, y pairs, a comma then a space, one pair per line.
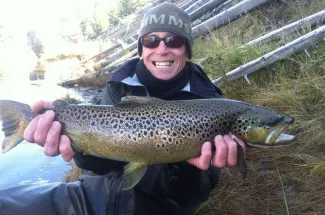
153, 41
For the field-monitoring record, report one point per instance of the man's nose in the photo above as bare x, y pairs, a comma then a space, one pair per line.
162, 48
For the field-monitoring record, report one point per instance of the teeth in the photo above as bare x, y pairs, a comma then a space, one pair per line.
163, 64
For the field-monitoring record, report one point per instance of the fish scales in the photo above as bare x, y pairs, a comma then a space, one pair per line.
153, 132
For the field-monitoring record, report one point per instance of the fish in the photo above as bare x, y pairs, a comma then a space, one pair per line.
147, 131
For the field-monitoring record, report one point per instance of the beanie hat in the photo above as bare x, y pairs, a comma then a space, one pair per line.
167, 17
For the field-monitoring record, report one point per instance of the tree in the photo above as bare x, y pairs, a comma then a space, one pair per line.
126, 7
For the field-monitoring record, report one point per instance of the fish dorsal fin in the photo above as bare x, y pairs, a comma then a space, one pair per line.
139, 99
59, 102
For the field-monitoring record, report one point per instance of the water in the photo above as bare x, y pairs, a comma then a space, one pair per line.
26, 163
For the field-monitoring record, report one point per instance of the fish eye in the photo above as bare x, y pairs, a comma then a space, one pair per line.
273, 121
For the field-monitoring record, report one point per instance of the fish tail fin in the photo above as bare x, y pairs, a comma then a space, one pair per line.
15, 117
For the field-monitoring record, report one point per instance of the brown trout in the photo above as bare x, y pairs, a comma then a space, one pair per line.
145, 130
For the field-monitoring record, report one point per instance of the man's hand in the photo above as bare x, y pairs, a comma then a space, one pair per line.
226, 153
44, 131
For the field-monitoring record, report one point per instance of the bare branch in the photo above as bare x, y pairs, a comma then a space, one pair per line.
293, 47
312, 20
227, 16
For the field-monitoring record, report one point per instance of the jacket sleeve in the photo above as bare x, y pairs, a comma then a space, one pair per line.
49, 198
100, 166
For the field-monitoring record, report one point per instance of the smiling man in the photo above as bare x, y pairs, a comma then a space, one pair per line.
164, 71
164, 60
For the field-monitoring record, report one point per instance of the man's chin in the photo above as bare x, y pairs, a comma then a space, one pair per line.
163, 73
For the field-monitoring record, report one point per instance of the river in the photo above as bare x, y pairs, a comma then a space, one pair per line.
26, 163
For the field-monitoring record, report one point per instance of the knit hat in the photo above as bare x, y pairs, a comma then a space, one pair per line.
167, 17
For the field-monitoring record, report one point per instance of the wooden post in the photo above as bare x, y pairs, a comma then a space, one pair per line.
196, 6
311, 20
227, 16
115, 56
204, 8
188, 4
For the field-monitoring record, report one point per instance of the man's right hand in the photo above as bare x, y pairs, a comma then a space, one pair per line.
44, 131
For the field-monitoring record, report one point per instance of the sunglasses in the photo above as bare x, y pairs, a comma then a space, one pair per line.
153, 41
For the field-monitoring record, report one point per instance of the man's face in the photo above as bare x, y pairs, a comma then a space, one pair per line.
164, 63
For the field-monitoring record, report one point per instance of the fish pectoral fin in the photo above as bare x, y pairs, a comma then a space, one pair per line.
133, 172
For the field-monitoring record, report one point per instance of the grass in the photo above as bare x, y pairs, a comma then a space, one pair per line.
288, 180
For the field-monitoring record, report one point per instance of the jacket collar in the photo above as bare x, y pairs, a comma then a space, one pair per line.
199, 83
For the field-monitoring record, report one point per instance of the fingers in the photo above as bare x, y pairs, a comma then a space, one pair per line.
225, 155
56, 144
241, 143
30, 130
43, 127
39, 105
38, 128
51, 146
203, 162
29, 134
232, 151
46, 132
65, 148
226, 151
220, 158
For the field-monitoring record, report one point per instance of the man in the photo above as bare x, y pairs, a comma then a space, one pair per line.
164, 71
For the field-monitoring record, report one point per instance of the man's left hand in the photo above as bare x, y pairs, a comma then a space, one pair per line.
225, 155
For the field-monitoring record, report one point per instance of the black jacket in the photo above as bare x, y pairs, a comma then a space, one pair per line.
165, 189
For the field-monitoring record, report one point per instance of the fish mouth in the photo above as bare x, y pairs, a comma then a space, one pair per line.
284, 138
277, 137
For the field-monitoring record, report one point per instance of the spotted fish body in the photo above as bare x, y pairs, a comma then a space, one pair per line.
148, 131
152, 131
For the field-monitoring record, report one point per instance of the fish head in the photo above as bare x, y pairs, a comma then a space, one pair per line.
262, 127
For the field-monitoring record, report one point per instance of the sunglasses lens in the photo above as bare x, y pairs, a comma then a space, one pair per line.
150, 41
174, 41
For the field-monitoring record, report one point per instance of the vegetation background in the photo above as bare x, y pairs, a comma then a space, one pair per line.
288, 180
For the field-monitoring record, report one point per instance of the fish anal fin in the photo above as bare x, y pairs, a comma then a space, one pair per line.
133, 172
